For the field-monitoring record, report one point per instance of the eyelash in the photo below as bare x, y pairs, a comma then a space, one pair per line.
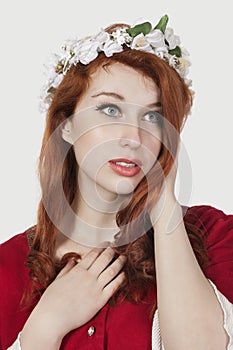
102, 106
159, 117
107, 105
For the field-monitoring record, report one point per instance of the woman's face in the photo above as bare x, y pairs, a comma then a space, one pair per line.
116, 130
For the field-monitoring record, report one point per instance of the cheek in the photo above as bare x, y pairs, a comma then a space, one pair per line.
93, 148
80, 148
84, 148
153, 143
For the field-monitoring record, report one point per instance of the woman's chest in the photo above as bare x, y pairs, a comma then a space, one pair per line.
124, 326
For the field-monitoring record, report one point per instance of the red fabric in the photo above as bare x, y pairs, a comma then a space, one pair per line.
125, 325
219, 229
13, 279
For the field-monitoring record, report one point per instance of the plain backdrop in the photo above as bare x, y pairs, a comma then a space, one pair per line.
31, 30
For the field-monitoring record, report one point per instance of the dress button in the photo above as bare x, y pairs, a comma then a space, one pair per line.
91, 331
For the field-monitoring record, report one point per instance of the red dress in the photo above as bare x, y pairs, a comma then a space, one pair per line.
126, 325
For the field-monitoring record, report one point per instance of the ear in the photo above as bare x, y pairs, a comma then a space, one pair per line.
66, 132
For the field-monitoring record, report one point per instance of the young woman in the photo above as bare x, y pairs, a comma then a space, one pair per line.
114, 260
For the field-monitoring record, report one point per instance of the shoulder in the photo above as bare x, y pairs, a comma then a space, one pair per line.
13, 268
217, 227
207, 216
14, 251
16, 245
214, 224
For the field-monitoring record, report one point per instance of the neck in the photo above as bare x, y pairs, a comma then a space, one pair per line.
99, 217
91, 221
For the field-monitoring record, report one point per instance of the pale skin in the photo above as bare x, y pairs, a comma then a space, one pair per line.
185, 297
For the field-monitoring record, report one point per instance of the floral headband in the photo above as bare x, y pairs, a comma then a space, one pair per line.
159, 40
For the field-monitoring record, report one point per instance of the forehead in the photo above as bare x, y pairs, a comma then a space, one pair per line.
125, 81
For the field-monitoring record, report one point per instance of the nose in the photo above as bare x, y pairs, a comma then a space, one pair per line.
130, 137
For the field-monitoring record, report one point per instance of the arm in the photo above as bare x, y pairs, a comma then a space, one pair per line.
190, 315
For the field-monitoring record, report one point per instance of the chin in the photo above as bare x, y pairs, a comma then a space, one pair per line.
125, 187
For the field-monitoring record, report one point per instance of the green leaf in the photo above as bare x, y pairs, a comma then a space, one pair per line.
51, 90
143, 28
162, 24
176, 51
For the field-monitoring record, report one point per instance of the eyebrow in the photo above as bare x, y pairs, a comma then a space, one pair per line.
121, 98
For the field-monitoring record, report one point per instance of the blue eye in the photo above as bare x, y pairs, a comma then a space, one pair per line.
153, 117
110, 110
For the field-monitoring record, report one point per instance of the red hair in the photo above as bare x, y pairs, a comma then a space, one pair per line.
176, 100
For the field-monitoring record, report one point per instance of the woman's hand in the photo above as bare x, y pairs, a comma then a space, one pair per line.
76, 295
166, 213
167, 193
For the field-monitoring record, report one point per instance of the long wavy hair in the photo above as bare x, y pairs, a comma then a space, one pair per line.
176, 100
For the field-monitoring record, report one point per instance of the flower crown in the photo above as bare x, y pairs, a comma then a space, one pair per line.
159, 40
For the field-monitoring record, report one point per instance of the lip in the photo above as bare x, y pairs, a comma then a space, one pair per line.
123, 170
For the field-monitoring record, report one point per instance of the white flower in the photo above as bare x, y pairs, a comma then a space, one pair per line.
111, 47
121, 40
88, 51
140, 43
57, 80
156, 38
173, 62
43, 104
185, 53
173, 40
161, 52
183, 66
189, 82
121, 36
180, 64
53, 60
102, 37
65, 55
72, 56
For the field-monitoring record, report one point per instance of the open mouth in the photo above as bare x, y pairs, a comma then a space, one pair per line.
126, 167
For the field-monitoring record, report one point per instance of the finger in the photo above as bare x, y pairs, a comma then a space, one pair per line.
113, 286
111, 271
69, 265
102, 261
89, 259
